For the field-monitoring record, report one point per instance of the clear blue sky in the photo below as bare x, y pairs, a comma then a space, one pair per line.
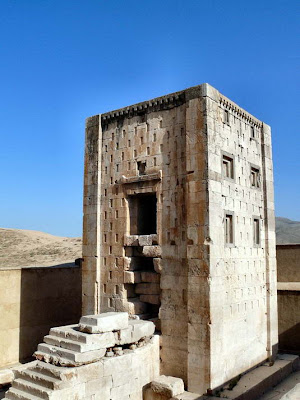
64, 60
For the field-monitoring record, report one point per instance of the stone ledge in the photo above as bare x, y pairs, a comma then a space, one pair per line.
156, 176
289, 286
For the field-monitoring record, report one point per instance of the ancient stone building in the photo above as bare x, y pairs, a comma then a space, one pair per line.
179, 229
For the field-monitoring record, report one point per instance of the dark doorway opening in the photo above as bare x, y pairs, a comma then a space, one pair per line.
143, 214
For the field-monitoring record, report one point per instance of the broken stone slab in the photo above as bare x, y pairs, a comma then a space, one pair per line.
147, 288
106, 322
67, 357
132, 277
151, 251
150, 298
167, 386
147, 276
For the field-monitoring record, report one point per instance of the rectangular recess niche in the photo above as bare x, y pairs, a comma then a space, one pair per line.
142, 211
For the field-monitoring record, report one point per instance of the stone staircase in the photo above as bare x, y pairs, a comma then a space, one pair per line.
55, 373
38, 380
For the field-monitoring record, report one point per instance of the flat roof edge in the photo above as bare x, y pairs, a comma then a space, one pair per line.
172, 100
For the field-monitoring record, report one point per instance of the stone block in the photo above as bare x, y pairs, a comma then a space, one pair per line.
136, 306
167, 385
102, 385
151, 251
124, 336
147, 288
150, 395
6, 376
154, 238
157, 263
145, 240
99, 323
150, 298
141, 329
147, 276
131, 240
132, 277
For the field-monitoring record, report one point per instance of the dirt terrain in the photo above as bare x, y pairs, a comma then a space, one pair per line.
20, 247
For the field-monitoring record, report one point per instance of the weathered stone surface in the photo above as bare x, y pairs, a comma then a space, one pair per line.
119, 377
6, 376
157, 265
141, 329
131, 240
152, 251
167, 385
105, 322
136, 306
147, 288
132, 277
145, 240
202, 167
147, 276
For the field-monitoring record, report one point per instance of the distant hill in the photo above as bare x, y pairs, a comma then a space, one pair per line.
20, 247
287, 231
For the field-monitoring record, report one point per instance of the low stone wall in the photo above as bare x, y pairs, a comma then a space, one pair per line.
288, 276
289, 317
33, 299
288, 262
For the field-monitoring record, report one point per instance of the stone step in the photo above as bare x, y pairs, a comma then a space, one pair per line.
15, 394
256, 382
53, 371
71, 332
31, 388
59, 355
65, 343
105, 322
40, 379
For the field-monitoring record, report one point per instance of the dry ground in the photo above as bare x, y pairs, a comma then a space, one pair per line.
20, 247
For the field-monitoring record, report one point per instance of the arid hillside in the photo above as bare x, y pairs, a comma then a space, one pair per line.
287, 231
20, 247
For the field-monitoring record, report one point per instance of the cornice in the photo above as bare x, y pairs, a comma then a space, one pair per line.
160, 103
231, 106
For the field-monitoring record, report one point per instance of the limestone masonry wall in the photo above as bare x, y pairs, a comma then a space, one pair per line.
288, 264
32, 300
179, 229
288, 267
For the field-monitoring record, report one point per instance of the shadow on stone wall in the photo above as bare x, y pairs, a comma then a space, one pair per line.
49, 296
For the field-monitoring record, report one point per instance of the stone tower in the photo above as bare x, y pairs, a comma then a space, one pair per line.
179, 228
